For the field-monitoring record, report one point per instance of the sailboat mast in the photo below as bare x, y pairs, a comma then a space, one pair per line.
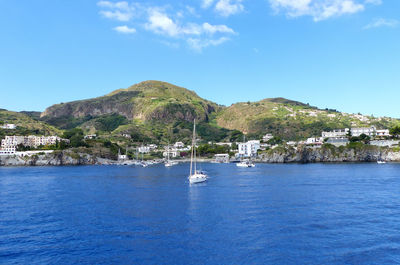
194, 141
192, 151
168, 152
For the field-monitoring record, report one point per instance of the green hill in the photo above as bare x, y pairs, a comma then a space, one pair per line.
291, 120
148, 111
25, 125
146, 101
154, 111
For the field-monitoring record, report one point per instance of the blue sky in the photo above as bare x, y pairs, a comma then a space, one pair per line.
342, 54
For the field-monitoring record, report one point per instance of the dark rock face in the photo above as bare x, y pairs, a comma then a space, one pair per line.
309, 155
119, 103
185, 112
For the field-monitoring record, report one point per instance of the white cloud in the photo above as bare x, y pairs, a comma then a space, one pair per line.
121, 11
169, 23
229, 7
199, 44
125, 29
374, 2
212, 29
159, 22
382, 22
118, 15
320, 9
114, 5
206, 3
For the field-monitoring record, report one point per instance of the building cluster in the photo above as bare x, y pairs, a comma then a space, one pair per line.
8, 126
175, 150
340, 137
10, 143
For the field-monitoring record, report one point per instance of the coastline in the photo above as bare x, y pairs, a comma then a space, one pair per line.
284, 156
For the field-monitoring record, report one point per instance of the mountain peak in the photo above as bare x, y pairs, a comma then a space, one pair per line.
282, 100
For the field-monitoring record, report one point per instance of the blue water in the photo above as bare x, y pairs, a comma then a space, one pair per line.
270, 214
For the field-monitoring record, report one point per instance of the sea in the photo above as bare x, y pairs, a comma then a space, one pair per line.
270, 214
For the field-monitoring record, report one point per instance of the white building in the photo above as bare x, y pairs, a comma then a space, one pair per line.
267, 137
126, 135
336, 133
338, 141
179, 145
122, 157
152, 146
29, 141
90, 136
314, 141
8, 126
222, 158
8, 151
383, 133
224, 144
144, 149
368, 131
248, 149
172, 153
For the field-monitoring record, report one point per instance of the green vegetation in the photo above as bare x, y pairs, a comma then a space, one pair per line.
161, 113
362, 138
395, 131
75, 136
291, 120
276, 140
207, 150
25, 125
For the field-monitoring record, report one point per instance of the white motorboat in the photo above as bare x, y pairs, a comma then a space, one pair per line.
245, 163
381, 162
195, 176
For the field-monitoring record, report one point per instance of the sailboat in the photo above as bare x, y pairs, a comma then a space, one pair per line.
143, 163
195, 176
169, 163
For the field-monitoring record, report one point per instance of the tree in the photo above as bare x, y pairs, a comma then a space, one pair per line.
77, 140
75, 137
362, 138
395, 131
274, 141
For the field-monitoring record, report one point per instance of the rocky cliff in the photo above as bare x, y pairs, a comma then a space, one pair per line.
329, 155
63, 158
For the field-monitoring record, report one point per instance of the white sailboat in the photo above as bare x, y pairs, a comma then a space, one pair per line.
169, 163
195, 175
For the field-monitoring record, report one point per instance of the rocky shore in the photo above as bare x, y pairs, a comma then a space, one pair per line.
327, 154
60, 158
330, 154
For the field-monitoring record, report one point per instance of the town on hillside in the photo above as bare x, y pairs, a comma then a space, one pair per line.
221, 152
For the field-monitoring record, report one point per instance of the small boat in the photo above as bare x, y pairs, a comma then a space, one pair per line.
381, 162
195, 176
169, 163
245, 163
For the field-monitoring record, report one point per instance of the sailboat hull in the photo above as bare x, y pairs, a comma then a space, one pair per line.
170, 164
197, 178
